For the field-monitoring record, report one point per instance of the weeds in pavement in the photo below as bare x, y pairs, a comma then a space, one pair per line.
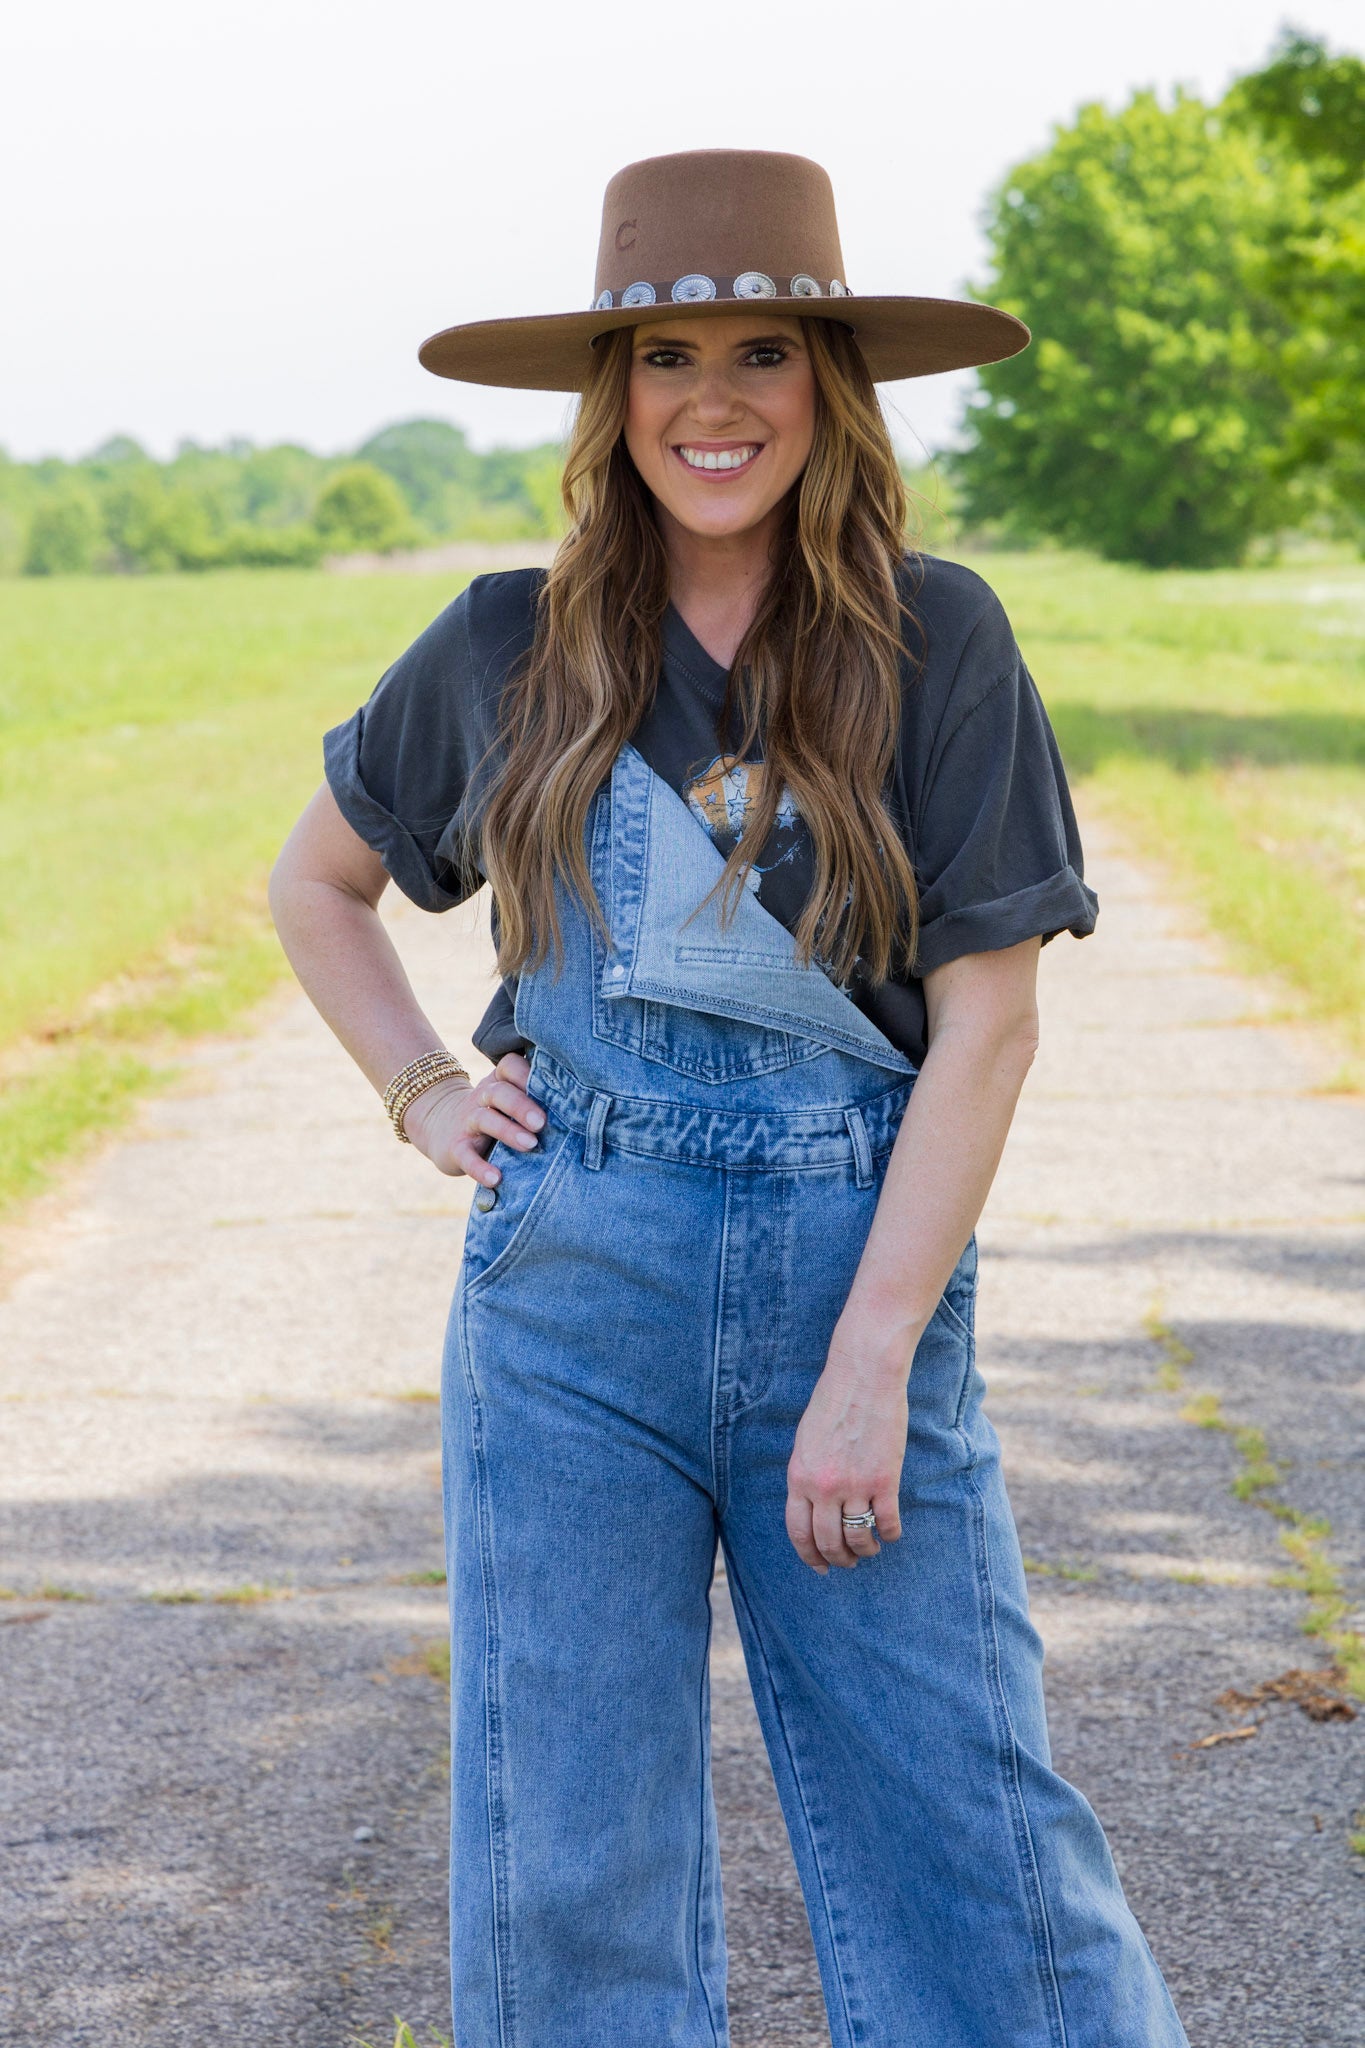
1170, 1373
405, 2038
1304, 1536
1037, 1568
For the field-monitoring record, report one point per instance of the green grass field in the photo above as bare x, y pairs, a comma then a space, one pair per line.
1219, 718
159, 735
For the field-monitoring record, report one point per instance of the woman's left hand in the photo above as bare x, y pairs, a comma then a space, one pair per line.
849, 1450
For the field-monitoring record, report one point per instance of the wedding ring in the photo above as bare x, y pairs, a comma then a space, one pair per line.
867, 1520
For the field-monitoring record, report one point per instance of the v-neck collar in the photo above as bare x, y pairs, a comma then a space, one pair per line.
682, 649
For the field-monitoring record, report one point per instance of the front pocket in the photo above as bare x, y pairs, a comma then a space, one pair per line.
496, 1239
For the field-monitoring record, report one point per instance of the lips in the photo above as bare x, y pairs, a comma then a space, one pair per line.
718, 461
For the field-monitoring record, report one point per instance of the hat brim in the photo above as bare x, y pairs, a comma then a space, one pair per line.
899, 337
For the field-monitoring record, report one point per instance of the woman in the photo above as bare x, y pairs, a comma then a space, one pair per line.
776, 827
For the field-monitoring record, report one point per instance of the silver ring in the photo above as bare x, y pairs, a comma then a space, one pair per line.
867, 1520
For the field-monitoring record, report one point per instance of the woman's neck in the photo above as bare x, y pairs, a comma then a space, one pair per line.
717, 583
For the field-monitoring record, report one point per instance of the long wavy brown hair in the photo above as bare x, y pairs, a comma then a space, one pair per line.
815, 684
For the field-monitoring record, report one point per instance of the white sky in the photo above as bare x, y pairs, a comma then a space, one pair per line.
244, 219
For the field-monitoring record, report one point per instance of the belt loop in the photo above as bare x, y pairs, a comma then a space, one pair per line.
862, 1150
592, 1137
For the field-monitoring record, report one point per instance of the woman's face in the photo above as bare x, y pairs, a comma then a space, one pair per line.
720, 418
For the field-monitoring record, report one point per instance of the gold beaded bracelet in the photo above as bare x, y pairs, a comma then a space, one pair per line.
419, 1074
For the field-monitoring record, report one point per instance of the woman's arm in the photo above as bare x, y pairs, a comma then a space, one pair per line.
850, 1446
324, 894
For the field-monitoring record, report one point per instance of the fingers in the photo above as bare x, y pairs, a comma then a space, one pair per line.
887, 1507
801, 1534
496, 1109
820, 1539
831, 1538
862, 1542
513, 1101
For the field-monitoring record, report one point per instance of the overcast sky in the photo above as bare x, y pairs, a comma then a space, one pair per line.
243, 220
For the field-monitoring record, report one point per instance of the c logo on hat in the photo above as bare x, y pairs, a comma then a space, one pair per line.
623, 240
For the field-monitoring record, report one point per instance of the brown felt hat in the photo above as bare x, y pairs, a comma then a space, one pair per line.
703, 233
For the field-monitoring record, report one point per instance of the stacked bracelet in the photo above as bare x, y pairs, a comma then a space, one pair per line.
419, 1074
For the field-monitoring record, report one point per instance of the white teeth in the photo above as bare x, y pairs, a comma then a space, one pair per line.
728, 458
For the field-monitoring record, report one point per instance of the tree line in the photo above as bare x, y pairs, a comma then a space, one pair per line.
1195, 279
411, 484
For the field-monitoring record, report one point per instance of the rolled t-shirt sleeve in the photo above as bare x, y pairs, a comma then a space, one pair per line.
997, 850
400, 767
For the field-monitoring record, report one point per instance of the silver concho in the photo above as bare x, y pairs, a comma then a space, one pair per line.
694, 286
601, 302
837, 290
805, 288
754, 284
638, 295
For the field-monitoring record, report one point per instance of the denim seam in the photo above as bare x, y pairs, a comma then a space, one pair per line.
832, 1115
738, 1594
780, 1200
1040, 1931
497, 1827
843, 1165
718, 2035
720, 1443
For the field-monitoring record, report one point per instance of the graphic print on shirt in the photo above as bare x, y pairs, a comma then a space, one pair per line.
721, 798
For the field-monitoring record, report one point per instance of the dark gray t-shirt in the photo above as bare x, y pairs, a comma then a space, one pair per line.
978, 788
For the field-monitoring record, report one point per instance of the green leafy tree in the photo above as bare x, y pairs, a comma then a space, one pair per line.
1307, 111
1146, 417
362, 509
65, 532
133, 503
280, 485
433, 466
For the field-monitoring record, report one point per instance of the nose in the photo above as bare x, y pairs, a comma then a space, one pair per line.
715, 399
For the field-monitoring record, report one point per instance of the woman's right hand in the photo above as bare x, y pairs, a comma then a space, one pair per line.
455, 1123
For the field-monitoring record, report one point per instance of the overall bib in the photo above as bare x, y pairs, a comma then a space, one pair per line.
643, 1307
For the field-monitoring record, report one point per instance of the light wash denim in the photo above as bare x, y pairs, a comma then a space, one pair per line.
640, 1316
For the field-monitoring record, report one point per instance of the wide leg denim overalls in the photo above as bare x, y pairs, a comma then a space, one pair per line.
642, 1311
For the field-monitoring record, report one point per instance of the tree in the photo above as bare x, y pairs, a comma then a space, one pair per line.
1306, 109
432, 464
1145, 419
361, 508
65, 532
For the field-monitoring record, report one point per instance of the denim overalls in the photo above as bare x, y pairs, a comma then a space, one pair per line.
642, 1310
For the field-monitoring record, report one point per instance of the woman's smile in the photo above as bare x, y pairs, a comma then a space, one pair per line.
719, 461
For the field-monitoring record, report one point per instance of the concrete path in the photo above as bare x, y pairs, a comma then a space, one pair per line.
222, 1729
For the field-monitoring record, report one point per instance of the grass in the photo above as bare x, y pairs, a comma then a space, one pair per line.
406, 2038
1216, 717
159, 734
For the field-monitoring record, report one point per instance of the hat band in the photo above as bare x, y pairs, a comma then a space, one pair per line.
745, 288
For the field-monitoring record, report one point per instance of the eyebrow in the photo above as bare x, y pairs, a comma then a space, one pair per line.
756, 341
